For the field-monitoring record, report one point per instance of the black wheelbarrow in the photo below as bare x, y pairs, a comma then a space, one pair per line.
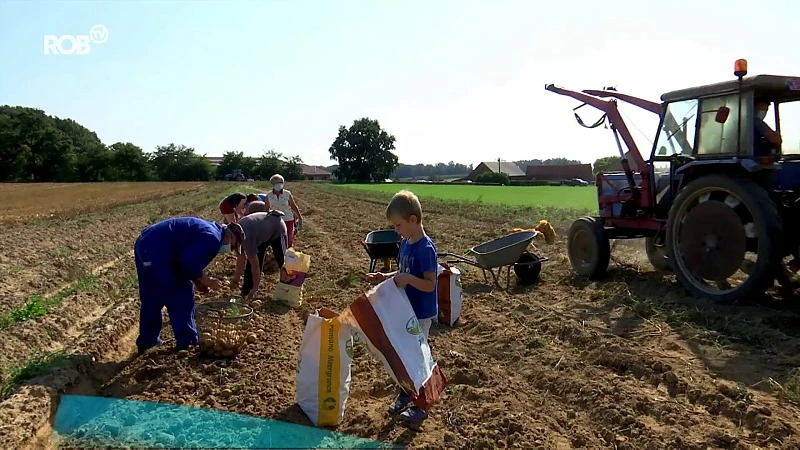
382, 245
505, 252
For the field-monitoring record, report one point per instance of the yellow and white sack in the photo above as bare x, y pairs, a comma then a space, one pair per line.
385, 321
291, 295
289, 289
323, 368
448, 294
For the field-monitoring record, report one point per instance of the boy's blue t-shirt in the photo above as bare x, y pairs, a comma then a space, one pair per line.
416, 259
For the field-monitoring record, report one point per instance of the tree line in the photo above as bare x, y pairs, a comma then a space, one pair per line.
36, 147
607, 164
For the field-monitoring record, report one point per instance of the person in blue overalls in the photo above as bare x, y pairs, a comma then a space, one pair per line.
171, 256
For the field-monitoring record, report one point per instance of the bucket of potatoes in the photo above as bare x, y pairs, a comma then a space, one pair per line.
224, 328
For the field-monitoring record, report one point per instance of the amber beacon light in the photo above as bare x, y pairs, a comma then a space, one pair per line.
740, 68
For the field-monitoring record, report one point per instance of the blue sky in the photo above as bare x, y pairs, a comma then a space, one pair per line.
454, 80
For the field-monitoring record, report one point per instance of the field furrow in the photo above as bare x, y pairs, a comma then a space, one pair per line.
626, 363
46, 321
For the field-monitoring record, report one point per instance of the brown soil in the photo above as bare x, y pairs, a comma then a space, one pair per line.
90, 285
625, 363
44, 201
45, 256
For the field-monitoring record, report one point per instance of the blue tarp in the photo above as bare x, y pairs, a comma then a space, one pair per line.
111, 422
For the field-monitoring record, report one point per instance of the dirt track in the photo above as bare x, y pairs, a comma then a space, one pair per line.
626, 363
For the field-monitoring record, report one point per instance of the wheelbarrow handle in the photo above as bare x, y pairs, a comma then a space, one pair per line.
450, 255
457, 259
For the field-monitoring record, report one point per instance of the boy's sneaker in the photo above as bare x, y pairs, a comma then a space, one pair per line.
400, 402
413, 416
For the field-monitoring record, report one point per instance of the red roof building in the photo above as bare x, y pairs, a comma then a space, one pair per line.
314, 173
561, 172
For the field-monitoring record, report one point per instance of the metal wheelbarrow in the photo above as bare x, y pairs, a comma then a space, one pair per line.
505, 252
382, 245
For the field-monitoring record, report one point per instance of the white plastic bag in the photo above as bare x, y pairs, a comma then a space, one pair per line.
385, 321
448, 294
323, 368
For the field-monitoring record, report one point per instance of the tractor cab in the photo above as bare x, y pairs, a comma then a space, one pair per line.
747, 126
719, 198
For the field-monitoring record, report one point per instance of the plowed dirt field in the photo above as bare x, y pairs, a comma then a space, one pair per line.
629, 362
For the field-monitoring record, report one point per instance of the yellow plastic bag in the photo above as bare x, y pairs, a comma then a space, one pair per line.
297, 261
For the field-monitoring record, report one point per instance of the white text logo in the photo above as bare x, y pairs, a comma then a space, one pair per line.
81, 44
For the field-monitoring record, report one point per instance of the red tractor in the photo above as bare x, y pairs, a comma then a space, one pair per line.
716, 199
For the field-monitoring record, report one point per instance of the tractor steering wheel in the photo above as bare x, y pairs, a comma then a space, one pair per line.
682, 159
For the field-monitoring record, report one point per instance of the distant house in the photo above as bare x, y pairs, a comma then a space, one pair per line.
562, 172
214, 160
508, 168
314, 173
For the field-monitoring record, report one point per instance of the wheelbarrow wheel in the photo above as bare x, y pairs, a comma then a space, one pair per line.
588, 248
528, 268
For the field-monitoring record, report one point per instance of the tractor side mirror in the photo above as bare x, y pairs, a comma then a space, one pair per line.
722, 114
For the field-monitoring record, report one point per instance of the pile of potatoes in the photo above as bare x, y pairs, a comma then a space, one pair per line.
220, 343
223, 339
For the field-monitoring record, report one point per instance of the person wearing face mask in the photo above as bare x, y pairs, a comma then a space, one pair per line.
765, 140
171, 257
281, 199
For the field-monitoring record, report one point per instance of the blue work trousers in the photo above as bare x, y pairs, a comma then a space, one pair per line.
160, 286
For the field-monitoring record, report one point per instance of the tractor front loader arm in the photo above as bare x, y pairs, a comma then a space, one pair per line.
656, 108
653, 107
609, 107
641, 194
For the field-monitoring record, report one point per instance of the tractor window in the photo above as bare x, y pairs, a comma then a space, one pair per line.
720, 138
790, 127
677, 130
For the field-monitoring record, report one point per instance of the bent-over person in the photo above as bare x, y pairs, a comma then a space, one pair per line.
256, 206
261, 230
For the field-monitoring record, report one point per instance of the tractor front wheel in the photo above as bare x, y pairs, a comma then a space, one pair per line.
657, 254
724, 238
588, 248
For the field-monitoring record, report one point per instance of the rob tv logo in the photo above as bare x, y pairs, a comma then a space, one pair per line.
80, 44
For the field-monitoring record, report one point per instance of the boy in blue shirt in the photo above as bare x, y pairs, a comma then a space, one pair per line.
416, 274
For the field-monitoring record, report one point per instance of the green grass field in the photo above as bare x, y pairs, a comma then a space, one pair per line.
569, 197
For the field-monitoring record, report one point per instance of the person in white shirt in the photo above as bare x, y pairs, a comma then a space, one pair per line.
282, 200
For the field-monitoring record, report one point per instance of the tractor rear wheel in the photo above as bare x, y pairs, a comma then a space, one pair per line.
588, 248
724, 238
657, 254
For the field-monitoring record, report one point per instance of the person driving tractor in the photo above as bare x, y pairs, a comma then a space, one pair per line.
765, 140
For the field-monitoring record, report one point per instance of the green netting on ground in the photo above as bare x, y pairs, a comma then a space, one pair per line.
87, 422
